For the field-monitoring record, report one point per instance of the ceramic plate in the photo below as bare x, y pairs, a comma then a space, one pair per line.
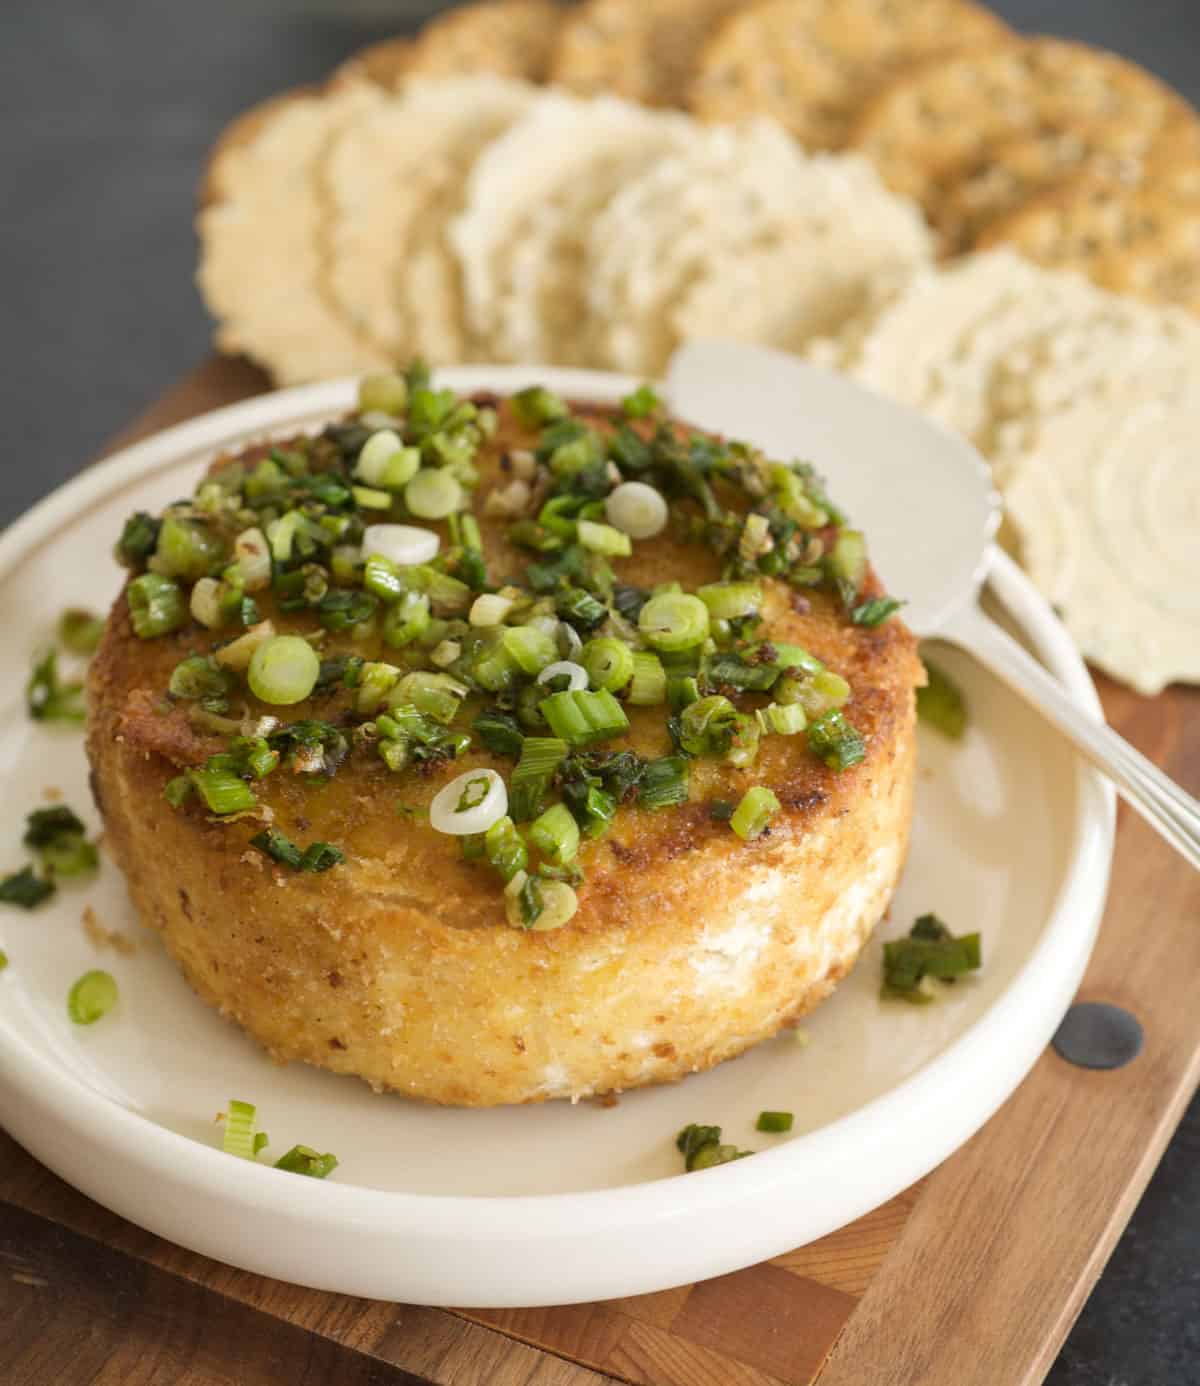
533, 1205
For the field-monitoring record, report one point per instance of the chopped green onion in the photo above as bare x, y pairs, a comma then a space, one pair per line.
776, 1123
303, 1159
386, 463
664, 783
489, 609
847, 564
649, 685
199, 676
609, 663
48, 699
187, 549
835, 741
320, 856
701, 1148
156, 606
340, 611
505, 848
406, 620
816, 693
753, 815
24, 889
731, 601
92, 997
283, 671
536, 406
674, 621
370, 498
222, 790
529, 647
3, 959
730, 670
721, 810
540, 758
498, 732
58, 837
580, 608
581, 717
604, 539
382, 578
384, 391
941, 703
641, 404
781, 720
433, 494
240, 1136
494, 668
556, 834
138, 540
559, 905
278, 847
79, 631
930, 950
874, 612
707, 727
436, 695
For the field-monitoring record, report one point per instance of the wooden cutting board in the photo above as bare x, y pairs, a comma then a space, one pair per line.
973, 1275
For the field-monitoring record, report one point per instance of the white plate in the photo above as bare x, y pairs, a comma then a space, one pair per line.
534, 1205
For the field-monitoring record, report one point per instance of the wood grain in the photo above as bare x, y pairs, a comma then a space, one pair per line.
973, 1275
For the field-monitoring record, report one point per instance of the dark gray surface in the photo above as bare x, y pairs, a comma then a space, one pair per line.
106, 110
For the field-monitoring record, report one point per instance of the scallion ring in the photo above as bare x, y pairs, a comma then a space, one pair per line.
674, 621
433, 494
470, 803
92, 996
565, 668
404, 545
636, 509
283, 670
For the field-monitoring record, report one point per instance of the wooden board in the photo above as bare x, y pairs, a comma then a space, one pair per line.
974, 1275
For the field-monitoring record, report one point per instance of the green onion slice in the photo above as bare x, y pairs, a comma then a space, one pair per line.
941, 703
240, 1121
753, 815
283, 670
25, 889
555, 834
776, 1123
92, 997
674, 621
470, 803
664, 783
303, 1159
581, 718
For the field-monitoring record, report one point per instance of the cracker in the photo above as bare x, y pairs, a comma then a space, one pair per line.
926, 127
393, 179
511, 38
529, 200
385, 64
1104, 510
1017, 170
639, 50
994, 345
741, 235
810, 64
1143, 241
262, 255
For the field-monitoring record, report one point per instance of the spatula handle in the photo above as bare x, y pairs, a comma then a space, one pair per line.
1163, 804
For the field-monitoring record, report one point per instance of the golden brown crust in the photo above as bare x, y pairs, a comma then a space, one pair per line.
689, 945
384, 64
512, 38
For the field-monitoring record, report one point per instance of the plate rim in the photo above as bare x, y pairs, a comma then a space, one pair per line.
43, 1091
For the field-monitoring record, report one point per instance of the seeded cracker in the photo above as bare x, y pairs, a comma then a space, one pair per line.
632, 48
925, 128
262, 274
511, 38
1142, 241
1017, 170
811, 63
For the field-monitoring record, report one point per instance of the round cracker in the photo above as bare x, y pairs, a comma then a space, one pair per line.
632, 48
811, 63
1018, 170
925, 127
263, 256
385, 64
511, 38
393, 178
1143, 241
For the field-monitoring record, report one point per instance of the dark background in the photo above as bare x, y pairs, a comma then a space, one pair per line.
106, 110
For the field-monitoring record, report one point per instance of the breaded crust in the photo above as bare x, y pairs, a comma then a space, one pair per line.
689, 945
